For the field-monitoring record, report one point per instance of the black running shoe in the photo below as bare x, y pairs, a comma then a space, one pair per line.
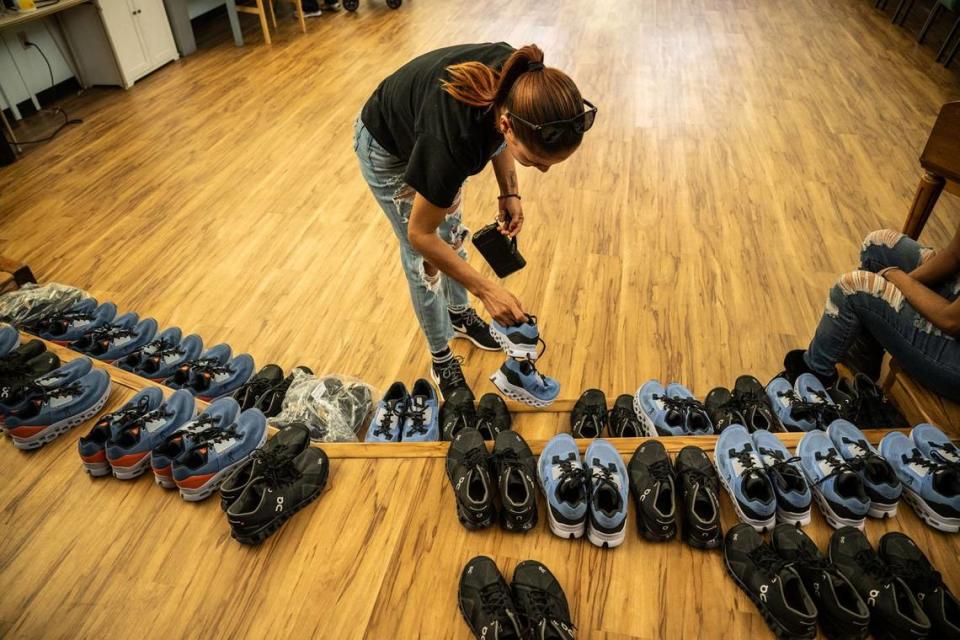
486, 603
449, 376
283, 487
17, 377
468, 468
750, 395
722, 409
493, 417
516, 468
862, 402
771, 583
794, 365
589, 415
286, 444
699, 489
653, 485
843, 613
623, 419
271, 400
458, 412
22, 353
908, 563
469, 326
894, 611
252, 389
541, 602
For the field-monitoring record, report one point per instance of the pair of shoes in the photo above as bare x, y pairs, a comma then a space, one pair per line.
448, 376
56, 402
489, 417
584, 496
116, 339
532, 606
747, 405
862, 402
161, 357
928, 465
199, 455
406, 416
214, 374
590, 417
20, 366
849, 478
267, 390
764, 481
472, 472
885, 580
802, 406
72, 324
277, 480
654, 483
670, 411
467, 325
518, 377
121, 442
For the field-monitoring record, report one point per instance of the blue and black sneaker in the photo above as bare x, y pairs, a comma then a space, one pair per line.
98, 332
934, 444
563, 481
161, 357
9, 339
879, 480
17, 397
658, 417
118, 343
218, 354
421, 418
742, 474
387, 422
213, 381
837, 488
519, 341
73, 324
696, 421
520, 381
608, 489
802, 406
93, 446
128, 451
216, 452
58, 409
931, 487
220, 414
786, 477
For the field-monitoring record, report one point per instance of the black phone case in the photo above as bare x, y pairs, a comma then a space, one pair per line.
499, 251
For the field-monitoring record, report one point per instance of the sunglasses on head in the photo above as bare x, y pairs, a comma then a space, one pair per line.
551, 132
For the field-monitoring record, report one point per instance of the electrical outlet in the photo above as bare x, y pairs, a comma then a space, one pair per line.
22, 37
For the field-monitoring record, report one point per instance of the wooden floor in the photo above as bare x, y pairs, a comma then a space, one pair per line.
742, 150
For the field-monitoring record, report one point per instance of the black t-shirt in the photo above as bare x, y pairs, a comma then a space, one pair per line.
442, 140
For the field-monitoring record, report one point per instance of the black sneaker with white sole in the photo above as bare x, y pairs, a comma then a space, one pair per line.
287, 443
751, 397
770, 582
589, 416
486, 603
623, 419
468, 468
271, 400
467, 325
251, 390
894, 611
515, 468
842, 612
699, 490
493, 417
449, 376
458, 412
541, 602
653, 486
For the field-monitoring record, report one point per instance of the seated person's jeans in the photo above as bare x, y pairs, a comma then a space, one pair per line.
862, 302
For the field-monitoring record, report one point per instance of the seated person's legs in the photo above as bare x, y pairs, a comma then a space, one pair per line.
887, 248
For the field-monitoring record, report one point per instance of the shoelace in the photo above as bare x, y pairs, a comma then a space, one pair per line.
485, 418
680, 405
820, 412
782, 464
595, 415
767, 559
624, 417
695, 476
933, 465
386, 426
871, 563
495, 600
837, 465
661, 470
808, 560
64, 318
537, 605
278, 467
418, 419
123, 415
925, 578
110, 332
163, 348
507, 458
214, 435
950, 449
604, 476
476, 458
451, 371
470, 317
747, 460
72, 389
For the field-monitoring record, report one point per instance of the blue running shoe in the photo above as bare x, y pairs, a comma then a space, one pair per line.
742, 474
879, 480
607, 478
58, 410
388, 419
837, 488
163, 361
216, 355
786, 477
934, 444
932, 487
519, 341
90, 337
520, 381
164, 344
221, 413
564, 484
214, 381
216, 452
421, 422
9, 338
696, 422
19, 397
799, 411
119, 342
128, 450
650, 403
82, 318
813, 392
93, 446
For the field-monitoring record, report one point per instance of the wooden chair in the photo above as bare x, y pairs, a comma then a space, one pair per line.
940, 161
939, 5
259, 10
916, 403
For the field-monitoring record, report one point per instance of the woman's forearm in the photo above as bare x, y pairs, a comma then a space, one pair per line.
944, 315
943, 264
505, 168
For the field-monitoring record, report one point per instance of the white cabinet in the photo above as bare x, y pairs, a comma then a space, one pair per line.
139, 34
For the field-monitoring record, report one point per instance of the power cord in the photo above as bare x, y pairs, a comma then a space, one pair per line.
67, 120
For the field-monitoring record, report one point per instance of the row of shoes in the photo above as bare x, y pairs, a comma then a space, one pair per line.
590, 417
852, 590
460, 411
518, 377
267, 389
406, 416
532, 606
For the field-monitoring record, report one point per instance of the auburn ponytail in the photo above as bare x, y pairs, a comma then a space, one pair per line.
526, 88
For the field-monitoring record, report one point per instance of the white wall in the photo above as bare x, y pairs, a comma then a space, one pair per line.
31, 64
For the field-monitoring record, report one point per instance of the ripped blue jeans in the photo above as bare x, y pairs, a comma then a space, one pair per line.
862, 301
430, 295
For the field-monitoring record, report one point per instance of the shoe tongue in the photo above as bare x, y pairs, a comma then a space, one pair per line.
947, 481
877, 469
511, 629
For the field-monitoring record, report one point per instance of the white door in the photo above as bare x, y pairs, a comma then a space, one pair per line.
121, 25
155, 31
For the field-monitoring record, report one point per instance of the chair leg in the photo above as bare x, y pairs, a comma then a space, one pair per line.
263, 21
953, 53
273, 16
298, 5
946, 41
926, 25
905, 6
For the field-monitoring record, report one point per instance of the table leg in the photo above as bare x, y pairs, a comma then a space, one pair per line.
234, 22
33, 97
927, 193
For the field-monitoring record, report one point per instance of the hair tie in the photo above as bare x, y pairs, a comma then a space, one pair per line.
535, 66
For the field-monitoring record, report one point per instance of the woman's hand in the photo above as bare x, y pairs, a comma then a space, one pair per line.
510, 210
502, 305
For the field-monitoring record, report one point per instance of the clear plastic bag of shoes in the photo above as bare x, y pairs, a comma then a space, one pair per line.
34, 302
335, 407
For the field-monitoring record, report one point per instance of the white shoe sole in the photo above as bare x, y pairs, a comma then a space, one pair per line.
53, 431
796, 519
564, 530
831, 516
759, 525
928, 515
517, 393
133, 471
606, 540
512, 350
458, 335
649, 427
882, 510
164, 482
206, 489
97, 469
